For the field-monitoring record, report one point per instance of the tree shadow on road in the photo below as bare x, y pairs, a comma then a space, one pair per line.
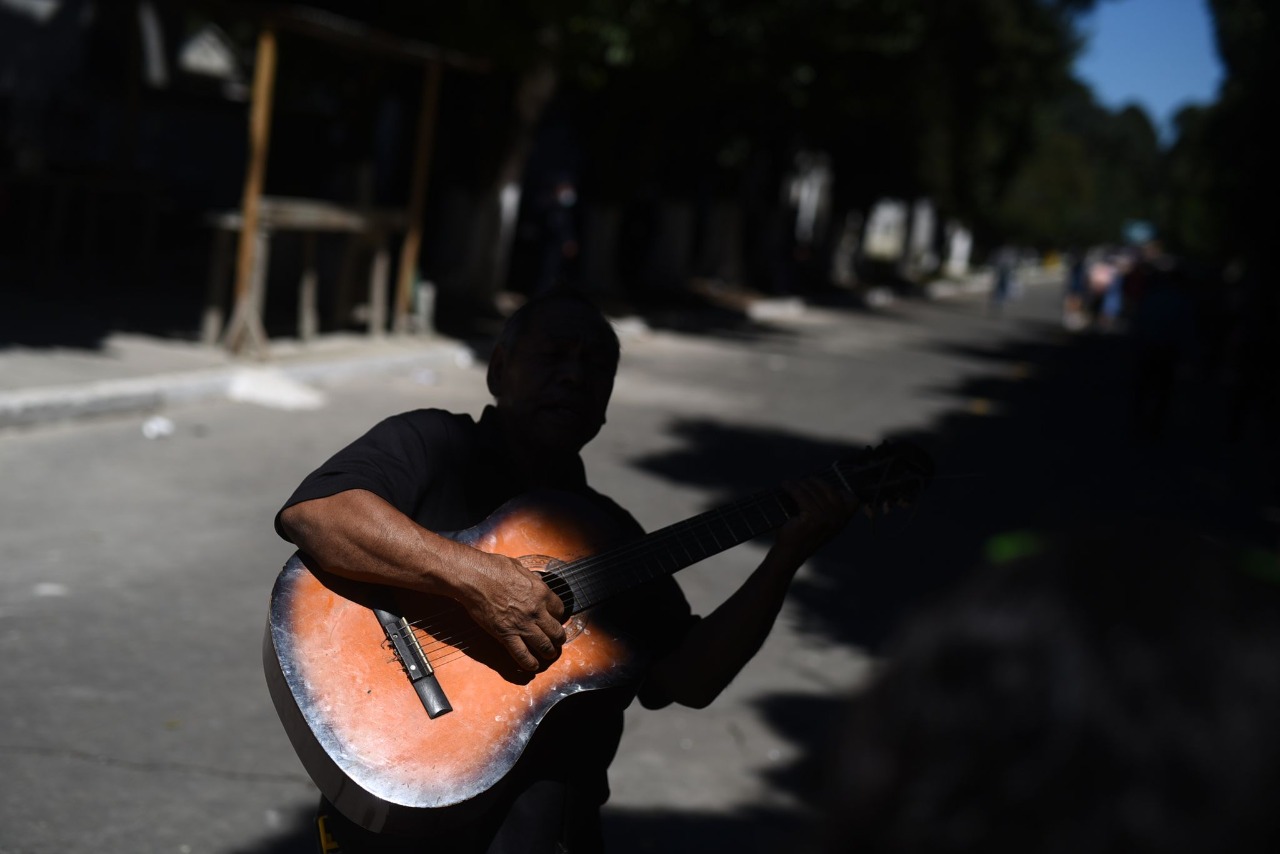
297, 836
1042, 436
670, 832
861, 581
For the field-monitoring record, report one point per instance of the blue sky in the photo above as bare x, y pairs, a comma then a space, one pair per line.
1157, 53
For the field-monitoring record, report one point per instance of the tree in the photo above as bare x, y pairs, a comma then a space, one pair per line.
707, 98
1237, 145
1192, 220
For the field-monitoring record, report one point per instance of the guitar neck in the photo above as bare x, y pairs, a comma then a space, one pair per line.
879, 477
594, 580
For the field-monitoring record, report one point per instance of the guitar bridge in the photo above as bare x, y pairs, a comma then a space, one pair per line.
421, 675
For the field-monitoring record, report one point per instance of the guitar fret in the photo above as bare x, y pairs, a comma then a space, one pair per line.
684, 544
579, 587
783, 511
764, 517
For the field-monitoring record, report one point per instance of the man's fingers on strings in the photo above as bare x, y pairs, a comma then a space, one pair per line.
553, 629
536, 647
546, 642
522, 654
836, 499
547, 649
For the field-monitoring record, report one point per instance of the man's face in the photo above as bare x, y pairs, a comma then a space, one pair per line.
554, 384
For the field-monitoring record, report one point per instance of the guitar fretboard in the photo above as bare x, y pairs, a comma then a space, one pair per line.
590, 581
668, 550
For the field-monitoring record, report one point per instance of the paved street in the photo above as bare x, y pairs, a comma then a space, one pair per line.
136, 571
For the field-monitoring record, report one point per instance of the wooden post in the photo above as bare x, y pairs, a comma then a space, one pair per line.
219, 266
245, 319
308, 315
378, 290
417, 194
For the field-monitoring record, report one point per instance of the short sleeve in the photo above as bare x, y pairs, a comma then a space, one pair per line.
398, 460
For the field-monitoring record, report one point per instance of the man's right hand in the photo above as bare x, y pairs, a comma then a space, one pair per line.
360, 536
517, 607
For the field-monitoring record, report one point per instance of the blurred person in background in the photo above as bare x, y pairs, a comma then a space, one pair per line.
1005, 264
1073, 299
1107, 692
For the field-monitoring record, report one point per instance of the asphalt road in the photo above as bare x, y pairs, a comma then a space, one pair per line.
136, 571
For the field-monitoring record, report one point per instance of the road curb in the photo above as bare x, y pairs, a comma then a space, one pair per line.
30, 407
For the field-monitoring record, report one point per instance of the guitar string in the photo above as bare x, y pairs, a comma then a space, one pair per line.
584, 573
583, 570
593, 566
586, 569
458, 642
458, 646
677, 532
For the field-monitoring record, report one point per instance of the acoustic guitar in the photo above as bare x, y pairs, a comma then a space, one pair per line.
406, 714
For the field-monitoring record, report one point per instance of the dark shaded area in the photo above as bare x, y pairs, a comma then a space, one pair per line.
77, 295
299, 837
626, 831
1112, 689
1046, 440
809, 722
685, 833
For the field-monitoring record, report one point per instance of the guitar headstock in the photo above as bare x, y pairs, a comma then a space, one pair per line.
891, 474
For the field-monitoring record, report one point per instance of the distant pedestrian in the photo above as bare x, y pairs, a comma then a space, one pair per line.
1005, 281
1073, 301
558, 236
1104, 275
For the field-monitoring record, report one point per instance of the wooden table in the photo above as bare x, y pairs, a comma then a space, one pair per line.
246, 322
310, 218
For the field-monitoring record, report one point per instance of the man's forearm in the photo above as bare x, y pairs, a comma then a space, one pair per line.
718, 646
721, 644
360, 536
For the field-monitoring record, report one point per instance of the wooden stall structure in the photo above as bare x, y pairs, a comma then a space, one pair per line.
260, 216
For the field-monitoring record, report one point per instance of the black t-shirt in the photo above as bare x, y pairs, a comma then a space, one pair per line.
448, 473
445, 471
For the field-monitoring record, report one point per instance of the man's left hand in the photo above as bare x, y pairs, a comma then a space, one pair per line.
823, 511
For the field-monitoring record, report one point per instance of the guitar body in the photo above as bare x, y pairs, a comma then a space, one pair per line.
352, 714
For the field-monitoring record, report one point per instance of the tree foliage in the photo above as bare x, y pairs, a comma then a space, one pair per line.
1089, 170
1228, 163
971, 103
910, 96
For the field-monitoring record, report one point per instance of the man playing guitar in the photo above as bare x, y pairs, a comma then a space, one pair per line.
379, 512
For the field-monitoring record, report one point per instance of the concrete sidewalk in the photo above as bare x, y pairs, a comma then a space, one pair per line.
132, 373
136, 374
